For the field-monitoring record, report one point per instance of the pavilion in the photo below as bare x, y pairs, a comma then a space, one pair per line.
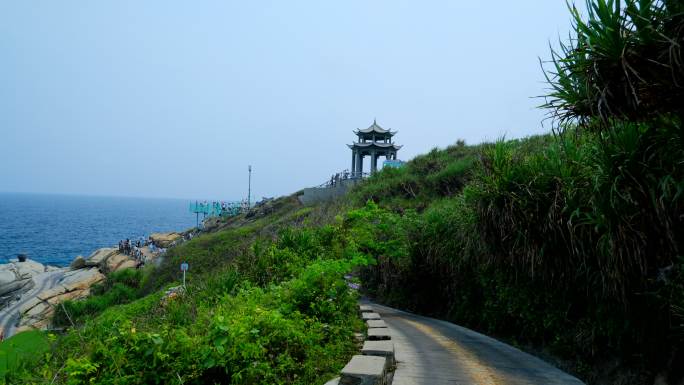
375, 142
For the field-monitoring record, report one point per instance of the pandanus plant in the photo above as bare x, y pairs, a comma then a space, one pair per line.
624, 60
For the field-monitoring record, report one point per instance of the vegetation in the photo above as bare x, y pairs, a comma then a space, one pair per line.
624, 61
266, 303
568, 244
120, 287
20, 347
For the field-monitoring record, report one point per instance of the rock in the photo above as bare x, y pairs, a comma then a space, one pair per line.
29, 268
74, 285
11, 290
164, 239
129, 264
115, 261
14, 286
78, 263
120, 261
7, 276
16, 278
99, 257
81, 279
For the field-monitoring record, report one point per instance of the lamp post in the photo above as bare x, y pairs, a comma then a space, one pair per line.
249, 188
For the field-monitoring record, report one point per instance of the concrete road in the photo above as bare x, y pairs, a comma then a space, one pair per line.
9, 316
434, 352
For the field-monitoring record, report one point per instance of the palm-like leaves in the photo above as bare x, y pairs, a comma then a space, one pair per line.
624, 60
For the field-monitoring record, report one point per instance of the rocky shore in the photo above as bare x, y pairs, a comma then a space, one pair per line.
30, 291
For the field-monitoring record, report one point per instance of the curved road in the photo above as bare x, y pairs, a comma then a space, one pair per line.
434, 352
9, 316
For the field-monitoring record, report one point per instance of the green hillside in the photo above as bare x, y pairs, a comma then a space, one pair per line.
567, 244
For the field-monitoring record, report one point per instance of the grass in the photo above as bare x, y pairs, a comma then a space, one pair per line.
20, 347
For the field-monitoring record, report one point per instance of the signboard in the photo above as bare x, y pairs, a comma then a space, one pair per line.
184, 266
393, 163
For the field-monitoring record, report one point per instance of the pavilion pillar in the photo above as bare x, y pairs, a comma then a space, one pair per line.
353, 167
359, 164
374, 162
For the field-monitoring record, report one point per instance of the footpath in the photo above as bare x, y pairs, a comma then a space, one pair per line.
407, 349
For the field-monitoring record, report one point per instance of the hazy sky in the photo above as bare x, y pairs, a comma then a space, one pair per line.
176, 98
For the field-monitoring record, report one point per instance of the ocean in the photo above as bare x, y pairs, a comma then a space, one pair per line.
54, 229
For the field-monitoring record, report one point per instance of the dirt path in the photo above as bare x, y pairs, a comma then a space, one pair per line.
434, 352
9, 316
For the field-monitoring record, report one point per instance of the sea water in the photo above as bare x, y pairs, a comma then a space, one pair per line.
54, 229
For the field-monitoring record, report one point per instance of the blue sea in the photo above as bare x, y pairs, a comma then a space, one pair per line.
54, 229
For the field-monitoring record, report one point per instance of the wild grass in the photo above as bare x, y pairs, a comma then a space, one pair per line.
21, 347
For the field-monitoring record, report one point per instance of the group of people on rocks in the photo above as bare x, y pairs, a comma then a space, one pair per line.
134, 249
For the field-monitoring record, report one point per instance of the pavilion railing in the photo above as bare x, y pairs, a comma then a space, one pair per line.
337, 178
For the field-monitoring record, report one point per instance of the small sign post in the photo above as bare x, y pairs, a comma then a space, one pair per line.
184, 267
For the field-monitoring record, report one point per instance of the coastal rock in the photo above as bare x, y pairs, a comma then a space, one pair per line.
15, 279
78, 263
7, 276
37, 312
81, 279
28, 268
164, 239
100, 256
118, 262
11, 290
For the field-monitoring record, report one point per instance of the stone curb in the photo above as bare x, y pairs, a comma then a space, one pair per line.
370, 315
372, 366
376, 323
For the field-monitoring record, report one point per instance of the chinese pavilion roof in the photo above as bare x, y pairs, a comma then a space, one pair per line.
375, 128
374, 144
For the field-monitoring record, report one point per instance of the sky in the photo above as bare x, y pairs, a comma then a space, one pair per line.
176, 98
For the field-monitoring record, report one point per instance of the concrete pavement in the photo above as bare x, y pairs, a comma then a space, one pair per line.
434, 352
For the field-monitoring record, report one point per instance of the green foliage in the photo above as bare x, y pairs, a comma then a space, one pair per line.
625, 60
120, 287
21, 348
570, 243
448, 171
282, 313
